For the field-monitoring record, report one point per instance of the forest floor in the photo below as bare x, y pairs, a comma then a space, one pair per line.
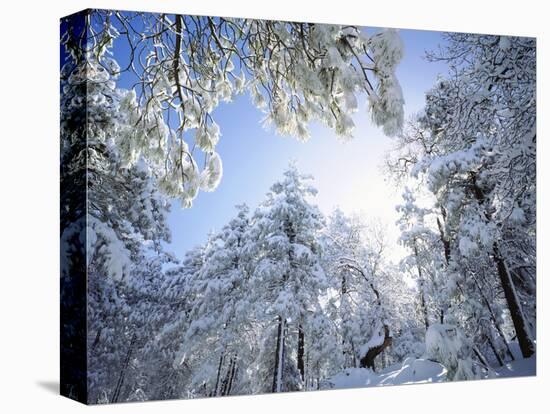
518, 368
418, 371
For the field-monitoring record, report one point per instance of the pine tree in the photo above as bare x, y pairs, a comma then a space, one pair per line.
218, 315
287, 277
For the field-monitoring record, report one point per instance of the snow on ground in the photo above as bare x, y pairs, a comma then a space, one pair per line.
409, 372
416, 371
518, 368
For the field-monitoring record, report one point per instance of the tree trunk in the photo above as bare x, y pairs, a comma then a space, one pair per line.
447, 250
216, 387
301, 344
423, 305
227, 382
116, 393
493, 317
481, 358
443, 238
521, 327
367, 361
422, 293
494, 349
279, 351
232, 377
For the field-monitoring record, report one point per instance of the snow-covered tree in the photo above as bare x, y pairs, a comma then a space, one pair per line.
217, 337
287, 278
343, 241
184, 66
369, 301
123, 218
474, 148
169, 373
427, 261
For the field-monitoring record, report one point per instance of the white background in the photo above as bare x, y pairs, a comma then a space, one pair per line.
29, 193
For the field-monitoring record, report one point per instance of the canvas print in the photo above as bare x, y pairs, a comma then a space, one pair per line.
255, 206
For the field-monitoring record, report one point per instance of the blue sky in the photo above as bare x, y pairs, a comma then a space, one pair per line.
347, 174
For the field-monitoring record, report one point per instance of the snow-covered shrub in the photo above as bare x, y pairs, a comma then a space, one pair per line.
447, 345
408, 343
